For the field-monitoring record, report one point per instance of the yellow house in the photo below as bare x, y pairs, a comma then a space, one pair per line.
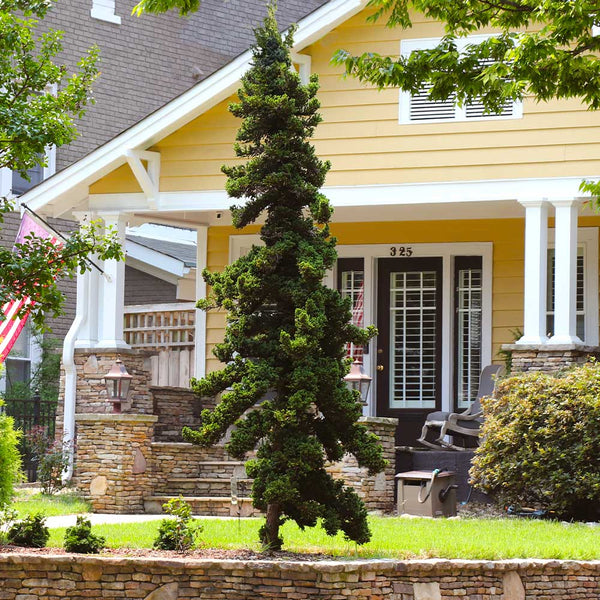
457, 229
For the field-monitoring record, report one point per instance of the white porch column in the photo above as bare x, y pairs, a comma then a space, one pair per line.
565, 268
113, 291
536, 258
200, 331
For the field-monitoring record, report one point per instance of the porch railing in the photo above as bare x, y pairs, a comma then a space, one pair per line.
169, 330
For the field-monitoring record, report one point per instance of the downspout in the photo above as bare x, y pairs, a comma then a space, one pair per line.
68, 359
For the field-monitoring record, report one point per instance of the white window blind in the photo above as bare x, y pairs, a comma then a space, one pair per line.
421, 109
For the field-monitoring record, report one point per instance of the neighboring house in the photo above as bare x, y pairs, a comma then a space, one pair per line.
460, 227
144, 63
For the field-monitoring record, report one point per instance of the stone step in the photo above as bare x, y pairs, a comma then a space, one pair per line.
206, 506
225, 469
205, 486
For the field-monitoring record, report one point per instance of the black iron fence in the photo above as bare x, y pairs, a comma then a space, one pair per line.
34, 417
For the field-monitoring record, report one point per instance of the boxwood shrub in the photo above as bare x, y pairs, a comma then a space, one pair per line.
541, 442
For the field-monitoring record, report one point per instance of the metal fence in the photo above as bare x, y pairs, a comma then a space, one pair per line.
31, 415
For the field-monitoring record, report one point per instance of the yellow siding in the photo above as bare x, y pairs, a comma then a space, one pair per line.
361, 135
505, 234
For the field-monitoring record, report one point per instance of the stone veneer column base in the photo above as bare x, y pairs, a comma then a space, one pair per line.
377, 492
112, 460
549, 358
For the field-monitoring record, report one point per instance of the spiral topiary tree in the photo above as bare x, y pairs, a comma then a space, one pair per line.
284, 346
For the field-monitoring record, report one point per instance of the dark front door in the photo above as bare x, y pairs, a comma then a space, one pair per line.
409, 318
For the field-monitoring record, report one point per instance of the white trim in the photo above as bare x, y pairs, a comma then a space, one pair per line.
237, 243
148, 177
447, 192
155, 260
304, 62
200, 331
163, 307
70, 184
372, 252
104, 10
460, 112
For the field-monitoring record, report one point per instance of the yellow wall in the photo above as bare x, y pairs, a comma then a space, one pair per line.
506, 235
361, 135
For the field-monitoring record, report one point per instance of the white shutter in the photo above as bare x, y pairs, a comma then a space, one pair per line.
422, 108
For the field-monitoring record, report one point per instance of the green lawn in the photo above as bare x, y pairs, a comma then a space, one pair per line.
393, 537
27, 503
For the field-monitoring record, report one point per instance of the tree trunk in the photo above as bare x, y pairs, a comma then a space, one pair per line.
271, 540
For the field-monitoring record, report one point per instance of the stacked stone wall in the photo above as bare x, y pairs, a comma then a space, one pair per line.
31, 576
377, 491
112, 459
549, 359
175, 408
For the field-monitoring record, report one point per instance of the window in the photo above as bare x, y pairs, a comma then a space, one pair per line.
350, 283
580, 294
12, 184
104, 10
18, 362
420, 109
468, 279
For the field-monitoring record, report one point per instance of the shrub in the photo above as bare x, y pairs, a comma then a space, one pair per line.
52, 459
541, 442
30, 532
10, 458
7, 517
181, 533
79, 538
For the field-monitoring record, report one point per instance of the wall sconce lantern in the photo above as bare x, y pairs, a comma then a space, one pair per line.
117, 382
357, 379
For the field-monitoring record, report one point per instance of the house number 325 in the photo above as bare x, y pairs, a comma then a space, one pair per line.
401, 251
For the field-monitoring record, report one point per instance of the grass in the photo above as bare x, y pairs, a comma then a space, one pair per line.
487, 539
66, 503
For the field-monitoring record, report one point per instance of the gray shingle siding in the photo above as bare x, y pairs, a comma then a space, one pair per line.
141, 288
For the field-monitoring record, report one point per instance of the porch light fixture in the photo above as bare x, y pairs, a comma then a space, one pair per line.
357, 379
117, 382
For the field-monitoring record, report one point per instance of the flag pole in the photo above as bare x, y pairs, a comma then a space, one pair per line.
60, 235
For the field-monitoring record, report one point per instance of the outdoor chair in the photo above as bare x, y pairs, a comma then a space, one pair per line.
467, 423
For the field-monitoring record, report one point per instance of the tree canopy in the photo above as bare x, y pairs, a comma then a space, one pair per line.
39, 104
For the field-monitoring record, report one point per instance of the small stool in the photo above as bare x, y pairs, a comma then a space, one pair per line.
427, 493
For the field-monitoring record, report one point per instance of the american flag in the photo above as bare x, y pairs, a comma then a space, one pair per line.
10, 323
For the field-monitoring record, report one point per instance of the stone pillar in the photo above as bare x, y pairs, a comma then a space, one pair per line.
112, 461
113, 292
565, 265
92, 366
377, 492
536, 259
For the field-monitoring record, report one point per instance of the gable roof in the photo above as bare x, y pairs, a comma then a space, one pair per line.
186, 253
69, 187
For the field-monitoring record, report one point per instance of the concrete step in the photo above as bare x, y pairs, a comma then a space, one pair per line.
206, 506
205, 486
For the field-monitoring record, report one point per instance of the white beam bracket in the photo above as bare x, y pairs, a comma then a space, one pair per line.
149, 177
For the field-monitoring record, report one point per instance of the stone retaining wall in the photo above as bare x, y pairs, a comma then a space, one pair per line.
32, 576
548, 358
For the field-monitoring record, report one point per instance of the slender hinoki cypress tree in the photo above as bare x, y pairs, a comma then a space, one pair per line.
286, 331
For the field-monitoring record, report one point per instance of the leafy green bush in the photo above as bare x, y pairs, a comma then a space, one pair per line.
10, 458
8, 516
180, 533
30, 532
541, 442
79, 538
